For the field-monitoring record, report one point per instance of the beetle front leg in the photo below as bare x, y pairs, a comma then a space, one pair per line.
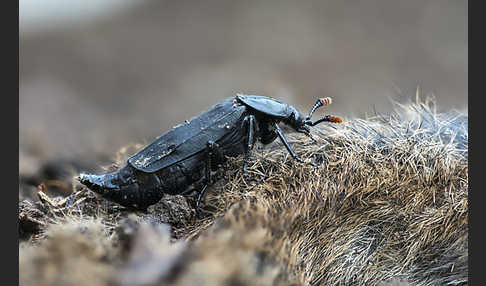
307, 133
289, 148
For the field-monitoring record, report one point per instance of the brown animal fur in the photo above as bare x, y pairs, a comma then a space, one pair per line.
388, 203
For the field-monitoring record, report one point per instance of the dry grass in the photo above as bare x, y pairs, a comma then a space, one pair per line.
388, 203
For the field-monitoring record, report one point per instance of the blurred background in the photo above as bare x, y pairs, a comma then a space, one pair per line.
98, 75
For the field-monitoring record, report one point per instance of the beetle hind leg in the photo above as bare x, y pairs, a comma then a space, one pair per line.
212, 150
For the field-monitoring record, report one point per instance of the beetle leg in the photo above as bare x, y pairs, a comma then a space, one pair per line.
199, 198
70, 200
307, 133
251, 141
211, 147
289, 148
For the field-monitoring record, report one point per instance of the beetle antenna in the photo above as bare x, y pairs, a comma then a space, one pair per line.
320, 102
327, 118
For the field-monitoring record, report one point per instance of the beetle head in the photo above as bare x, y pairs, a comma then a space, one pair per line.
303, 123
296, 120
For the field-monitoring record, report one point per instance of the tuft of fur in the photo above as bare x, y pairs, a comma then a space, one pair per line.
235, 254
76, 252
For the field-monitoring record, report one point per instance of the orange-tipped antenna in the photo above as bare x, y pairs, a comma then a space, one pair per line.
320, 102
327, 118
325, 101
335, 119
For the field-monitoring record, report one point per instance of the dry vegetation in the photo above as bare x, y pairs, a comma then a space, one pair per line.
387, 204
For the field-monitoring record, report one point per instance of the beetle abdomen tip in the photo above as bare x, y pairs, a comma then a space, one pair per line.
93, 182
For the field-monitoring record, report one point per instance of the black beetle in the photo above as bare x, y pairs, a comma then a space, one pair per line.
182, 159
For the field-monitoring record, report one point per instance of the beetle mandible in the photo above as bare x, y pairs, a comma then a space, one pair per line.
182, 159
